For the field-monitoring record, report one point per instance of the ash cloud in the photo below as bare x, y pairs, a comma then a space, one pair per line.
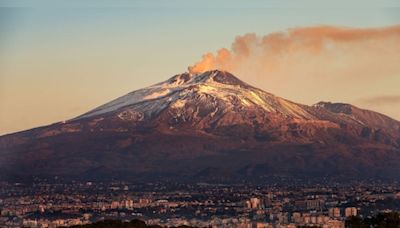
309, 64
266, 53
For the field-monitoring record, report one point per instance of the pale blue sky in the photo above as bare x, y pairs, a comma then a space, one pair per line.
60, 58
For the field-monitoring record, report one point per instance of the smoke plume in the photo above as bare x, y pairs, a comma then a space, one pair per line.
311, 64
274, 51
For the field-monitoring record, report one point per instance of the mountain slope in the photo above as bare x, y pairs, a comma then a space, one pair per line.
220, 86
198, 126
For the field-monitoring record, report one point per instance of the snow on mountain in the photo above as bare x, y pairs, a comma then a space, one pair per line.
192, 123
363, 117
220, 85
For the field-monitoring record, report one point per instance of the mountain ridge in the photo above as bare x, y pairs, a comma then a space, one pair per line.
194, 125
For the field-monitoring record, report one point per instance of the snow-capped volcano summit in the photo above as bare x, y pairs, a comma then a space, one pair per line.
217, 88
195, 126
172, 90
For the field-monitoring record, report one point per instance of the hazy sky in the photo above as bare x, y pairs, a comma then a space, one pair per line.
59, 59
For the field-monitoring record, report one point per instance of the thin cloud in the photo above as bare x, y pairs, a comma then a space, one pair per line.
382, 100
265, 52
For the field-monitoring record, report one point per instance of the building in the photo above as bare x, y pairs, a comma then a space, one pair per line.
253, 203
334, 212
313, 204
128, 204
350, 211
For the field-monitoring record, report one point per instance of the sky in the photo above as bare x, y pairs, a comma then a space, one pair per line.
59, 59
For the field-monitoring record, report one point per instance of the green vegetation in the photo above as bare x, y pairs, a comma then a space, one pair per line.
116, 223
119, 224
384, 220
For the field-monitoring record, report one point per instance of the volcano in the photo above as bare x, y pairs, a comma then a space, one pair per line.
207, 126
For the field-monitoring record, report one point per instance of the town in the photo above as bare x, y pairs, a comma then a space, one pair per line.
60, 204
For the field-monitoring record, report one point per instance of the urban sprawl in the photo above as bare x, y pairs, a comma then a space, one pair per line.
56, 204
